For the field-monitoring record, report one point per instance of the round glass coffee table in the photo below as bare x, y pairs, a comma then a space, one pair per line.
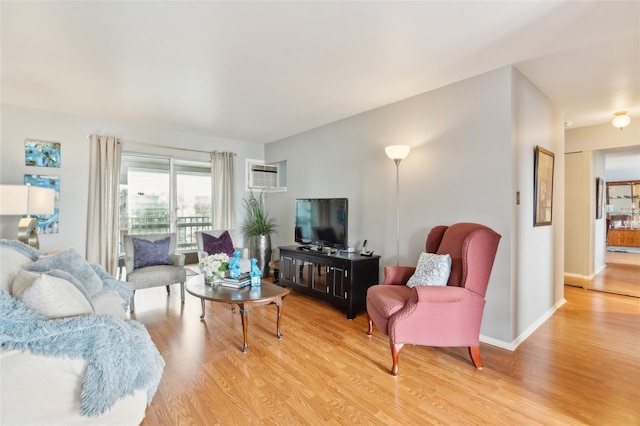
246, 298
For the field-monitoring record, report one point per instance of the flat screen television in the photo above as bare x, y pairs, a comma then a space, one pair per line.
322, 222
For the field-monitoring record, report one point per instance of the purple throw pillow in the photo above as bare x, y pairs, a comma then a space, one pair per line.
221, 244
150, 253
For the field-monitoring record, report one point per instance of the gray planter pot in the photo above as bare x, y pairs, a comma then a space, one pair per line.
260, 248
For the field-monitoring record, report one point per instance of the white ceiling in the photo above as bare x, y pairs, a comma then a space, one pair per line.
261, 71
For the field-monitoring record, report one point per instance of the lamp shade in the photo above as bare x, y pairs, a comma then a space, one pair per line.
16, 200
621, 120
397, 152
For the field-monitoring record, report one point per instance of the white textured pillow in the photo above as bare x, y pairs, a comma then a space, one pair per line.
432, 269
108, 302
50, 296
11, 262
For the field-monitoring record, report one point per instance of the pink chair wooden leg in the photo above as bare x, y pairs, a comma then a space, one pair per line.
395, 352
474, 351
370, 330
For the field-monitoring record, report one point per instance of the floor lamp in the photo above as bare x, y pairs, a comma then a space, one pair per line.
17, 200
397, 153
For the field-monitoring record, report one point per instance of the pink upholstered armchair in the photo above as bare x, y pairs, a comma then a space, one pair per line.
443, 316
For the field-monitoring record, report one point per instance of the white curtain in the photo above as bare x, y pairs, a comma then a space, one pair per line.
223, 194
103, 212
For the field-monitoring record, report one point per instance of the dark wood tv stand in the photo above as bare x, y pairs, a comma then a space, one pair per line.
341, 279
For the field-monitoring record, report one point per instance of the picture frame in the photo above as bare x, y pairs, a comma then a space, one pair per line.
599, 197
542, 186
48, 223
41, 153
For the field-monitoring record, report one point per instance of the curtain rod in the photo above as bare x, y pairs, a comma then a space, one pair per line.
160, 146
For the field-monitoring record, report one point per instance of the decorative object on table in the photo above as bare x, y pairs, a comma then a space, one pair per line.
243, 280
17, 200
397, 153
215, 267
258, 229
542, 186
41, 153
234, 265
256, 273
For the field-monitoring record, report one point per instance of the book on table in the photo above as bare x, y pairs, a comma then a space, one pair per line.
237, 282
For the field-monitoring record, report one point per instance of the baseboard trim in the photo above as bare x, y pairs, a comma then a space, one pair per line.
512, 346
579, 276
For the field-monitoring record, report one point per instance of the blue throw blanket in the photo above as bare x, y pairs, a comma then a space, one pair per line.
121, 356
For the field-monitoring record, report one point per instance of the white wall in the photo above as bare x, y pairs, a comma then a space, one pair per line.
538, 251
20, 123
466, 163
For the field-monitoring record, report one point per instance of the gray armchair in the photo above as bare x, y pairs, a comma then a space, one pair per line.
155, 275
245, 263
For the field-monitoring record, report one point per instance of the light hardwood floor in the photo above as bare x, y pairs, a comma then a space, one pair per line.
580, 367
621, 275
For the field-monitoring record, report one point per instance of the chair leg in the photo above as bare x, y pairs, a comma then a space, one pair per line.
182, 292
132, 303
474, 352
370, 330
395, 352
168, 289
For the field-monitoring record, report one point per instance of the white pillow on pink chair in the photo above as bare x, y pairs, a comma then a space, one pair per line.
432, 270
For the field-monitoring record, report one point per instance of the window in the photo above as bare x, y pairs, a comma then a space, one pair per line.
159, 195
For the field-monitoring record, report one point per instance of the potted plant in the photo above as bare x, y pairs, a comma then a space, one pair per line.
258, 228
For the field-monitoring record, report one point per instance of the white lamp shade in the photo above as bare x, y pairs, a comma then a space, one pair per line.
397, 152
621, 120
41, 200
16, 200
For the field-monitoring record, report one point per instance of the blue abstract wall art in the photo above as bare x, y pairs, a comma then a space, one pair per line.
41, 153
48, 223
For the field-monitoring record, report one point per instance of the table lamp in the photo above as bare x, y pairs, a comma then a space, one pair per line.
17, 200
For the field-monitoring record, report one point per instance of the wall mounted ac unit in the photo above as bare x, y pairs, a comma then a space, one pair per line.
262, 176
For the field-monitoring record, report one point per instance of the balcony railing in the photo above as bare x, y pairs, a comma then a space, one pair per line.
186, 228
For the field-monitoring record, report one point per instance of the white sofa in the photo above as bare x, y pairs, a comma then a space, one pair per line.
39, 387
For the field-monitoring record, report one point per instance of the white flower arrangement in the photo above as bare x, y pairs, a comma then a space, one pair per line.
214, 263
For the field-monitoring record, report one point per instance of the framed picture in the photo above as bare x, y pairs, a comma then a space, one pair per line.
542, 186
48, 223
41, 153
599, 197
52, 182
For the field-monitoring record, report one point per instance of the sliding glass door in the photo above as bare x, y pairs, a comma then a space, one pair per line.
160, 195
193, 204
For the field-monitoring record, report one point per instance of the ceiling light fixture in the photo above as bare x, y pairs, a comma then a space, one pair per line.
621, 120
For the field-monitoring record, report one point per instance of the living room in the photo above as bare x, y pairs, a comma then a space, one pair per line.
471, 159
